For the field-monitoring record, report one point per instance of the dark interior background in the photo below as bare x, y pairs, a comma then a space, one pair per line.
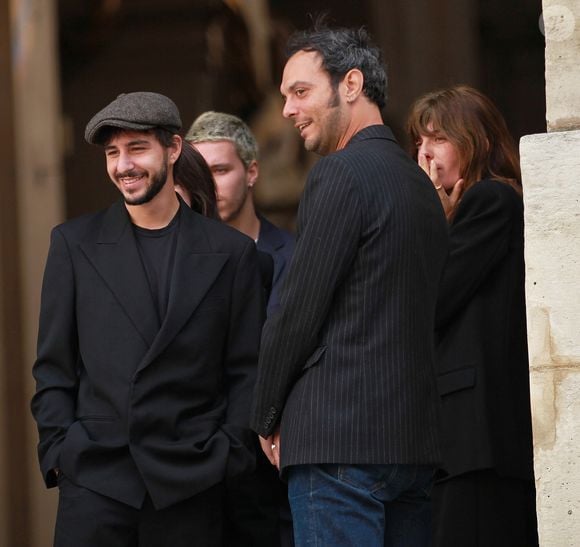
199, 53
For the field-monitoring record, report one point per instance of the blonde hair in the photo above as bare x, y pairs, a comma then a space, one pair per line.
219, 126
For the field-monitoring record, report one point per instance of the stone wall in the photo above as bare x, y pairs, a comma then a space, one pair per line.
561, 20
551, 179
551, 174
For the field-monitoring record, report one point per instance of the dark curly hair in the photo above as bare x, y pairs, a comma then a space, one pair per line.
342, 49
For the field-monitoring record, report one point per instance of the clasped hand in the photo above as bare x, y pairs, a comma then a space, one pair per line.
271, 447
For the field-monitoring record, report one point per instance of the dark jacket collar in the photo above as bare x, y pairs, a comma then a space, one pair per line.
270, 237
373, 132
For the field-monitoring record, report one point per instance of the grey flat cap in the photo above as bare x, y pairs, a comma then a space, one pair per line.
136, 111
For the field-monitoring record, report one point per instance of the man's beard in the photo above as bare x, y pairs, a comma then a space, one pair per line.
330, 127
157, 183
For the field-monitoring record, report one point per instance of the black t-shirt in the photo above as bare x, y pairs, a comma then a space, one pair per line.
157, 250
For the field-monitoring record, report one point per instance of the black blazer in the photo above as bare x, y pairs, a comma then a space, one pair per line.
347, 361
482, 357
123, 406
279, 244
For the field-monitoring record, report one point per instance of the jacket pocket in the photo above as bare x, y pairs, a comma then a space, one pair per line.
314, 357
456, 380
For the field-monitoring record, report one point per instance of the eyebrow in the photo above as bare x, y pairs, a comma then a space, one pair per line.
296, 84
135, 142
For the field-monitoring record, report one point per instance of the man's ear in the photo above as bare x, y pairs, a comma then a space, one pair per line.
352, 84
175, 148
252, 173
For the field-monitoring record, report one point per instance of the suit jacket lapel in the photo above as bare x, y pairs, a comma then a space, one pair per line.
195, 269
115, 256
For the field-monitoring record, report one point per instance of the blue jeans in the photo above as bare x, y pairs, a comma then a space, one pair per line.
361, 505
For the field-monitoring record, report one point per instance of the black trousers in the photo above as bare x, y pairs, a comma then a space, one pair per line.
483, 509
257, 512
88, 519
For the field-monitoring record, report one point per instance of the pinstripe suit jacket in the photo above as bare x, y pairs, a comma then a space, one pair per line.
347, 361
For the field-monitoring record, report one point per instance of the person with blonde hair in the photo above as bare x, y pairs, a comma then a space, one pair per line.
230, 149
485, 493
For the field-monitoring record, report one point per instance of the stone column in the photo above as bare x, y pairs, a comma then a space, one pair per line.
257, 18
31, 203
551, 179
10, 347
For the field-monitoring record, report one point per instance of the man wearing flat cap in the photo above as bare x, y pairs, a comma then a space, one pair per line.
149, 329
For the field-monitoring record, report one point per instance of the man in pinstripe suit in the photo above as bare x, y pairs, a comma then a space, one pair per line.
345, 400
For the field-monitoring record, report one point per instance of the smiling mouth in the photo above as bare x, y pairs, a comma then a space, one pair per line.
302, 126
130, 180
